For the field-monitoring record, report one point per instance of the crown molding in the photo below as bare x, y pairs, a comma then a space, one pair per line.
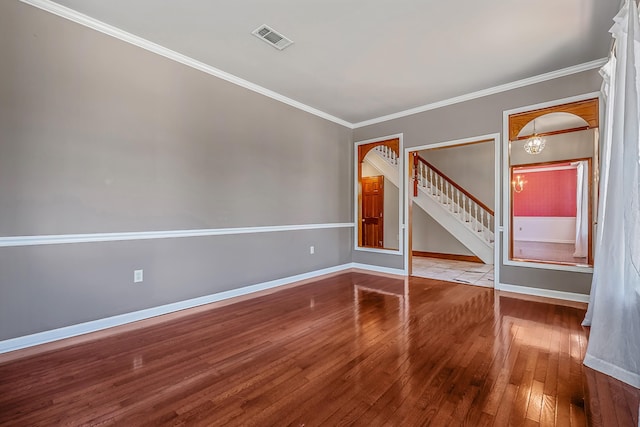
110, 30
485, 92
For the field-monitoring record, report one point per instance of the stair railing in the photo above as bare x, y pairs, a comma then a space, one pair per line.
387, 154
471, 211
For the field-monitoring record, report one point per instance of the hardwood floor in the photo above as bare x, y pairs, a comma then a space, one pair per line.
351, 349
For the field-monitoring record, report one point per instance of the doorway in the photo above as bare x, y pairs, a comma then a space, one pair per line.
378, 166
459, 181
551, 192
373, 211
549, 212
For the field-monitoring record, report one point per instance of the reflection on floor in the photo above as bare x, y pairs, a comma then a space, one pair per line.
453, 271
349, 349
543, 251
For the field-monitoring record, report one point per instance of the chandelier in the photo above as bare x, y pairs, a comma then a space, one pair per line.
535, 144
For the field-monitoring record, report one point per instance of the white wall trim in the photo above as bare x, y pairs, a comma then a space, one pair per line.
57, 239
485, 92
110, 30
379, 269
539, 292
495, 137
356, 193
545, 169
498, 221
18, 343
577, 268
506, 184
378, 250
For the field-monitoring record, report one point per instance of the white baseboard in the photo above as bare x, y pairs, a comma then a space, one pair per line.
377, 268
548, 293
122, 319
109, 322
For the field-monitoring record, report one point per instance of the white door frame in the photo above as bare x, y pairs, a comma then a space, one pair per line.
497, 186
506, 214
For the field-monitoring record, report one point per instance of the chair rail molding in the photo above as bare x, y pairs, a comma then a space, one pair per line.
57, 239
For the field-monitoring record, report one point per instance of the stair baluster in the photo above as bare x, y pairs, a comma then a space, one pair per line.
432, 182
475, 205
444, 192
447, 195
465, 205
453, 198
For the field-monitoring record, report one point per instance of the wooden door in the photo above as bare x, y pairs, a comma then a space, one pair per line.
373, 211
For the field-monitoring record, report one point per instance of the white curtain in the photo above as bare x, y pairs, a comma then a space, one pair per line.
582, 210
614, 307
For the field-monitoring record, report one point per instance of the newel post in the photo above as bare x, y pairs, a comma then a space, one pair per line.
415, 174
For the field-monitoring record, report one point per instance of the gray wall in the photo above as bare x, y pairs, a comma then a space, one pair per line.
429, 236
97, 135
472, 166
565, 146
46, 287
479, 117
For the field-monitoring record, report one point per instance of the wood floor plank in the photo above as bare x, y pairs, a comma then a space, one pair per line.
534, 408
351, 349
504, 411
548, 410
622, 410
606, 402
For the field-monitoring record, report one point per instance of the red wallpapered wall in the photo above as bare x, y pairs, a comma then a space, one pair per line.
551, 193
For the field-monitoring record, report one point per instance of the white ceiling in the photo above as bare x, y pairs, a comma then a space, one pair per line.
362, 59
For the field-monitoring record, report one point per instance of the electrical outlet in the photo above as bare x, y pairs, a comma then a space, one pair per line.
312, 250
137, 276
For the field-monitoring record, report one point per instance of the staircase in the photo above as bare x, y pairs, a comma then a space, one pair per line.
386, 161
455, 209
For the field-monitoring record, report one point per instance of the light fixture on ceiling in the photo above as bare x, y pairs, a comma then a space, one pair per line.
535, 143
518, 184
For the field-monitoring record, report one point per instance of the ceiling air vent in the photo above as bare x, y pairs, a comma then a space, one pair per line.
272, 37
